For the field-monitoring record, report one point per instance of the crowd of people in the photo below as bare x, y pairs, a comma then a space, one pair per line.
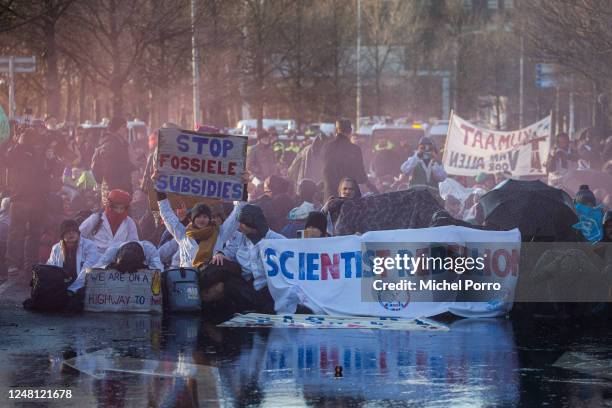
79, 204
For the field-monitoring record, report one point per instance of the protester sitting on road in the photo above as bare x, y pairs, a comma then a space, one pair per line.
235, 280
197, 240
74, 254
423, 167
131, 256
199, 237
316, 225
112, 226
347, 189
275, 202
297, 216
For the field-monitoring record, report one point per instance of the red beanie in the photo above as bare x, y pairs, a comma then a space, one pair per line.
119, 197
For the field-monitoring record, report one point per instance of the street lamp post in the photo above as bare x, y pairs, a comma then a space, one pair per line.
195, 64
358, 97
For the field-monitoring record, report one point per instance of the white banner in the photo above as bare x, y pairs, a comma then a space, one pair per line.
471, 150
200, 165
335, 276
108, 290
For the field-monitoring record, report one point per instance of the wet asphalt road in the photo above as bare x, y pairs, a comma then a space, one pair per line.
113, 360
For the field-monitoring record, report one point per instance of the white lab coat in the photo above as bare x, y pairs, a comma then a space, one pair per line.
433, 169
187, 247
104, 238
151, 256
240, 249
86, 257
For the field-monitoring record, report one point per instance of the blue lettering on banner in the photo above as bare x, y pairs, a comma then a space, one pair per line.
227, 146
200, 141
312, 266
226, 190
283, 264
215, 147
181, 141
347, 257
274, 269
302, 271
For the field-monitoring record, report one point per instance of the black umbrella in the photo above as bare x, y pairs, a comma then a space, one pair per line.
533, 207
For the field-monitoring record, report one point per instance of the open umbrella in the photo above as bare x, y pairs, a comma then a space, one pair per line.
533, 207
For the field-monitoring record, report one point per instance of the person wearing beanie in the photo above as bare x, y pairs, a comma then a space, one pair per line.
423, 168
197, 240
316, 225
585, 196
112, 226
74, 254
235, 280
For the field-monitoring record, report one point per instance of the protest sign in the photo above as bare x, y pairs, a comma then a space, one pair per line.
470, 149
201, 165
329, 275
108, 290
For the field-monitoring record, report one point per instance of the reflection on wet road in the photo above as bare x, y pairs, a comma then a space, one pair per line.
141, 360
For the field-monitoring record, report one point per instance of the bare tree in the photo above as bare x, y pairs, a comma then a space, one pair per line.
118, 34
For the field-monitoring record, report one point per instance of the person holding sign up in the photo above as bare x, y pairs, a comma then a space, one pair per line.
423, 167
197, 240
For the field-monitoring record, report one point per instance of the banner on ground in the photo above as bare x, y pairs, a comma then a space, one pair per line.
108, 290
201, 165
470, 149
330, 275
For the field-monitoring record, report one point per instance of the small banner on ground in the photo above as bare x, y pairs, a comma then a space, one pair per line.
344, 276
471, 149
201, 165
108, 290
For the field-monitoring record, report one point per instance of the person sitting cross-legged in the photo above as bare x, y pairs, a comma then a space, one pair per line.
235, 280
74, 254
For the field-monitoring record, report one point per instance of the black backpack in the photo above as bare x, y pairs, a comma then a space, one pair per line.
49, 289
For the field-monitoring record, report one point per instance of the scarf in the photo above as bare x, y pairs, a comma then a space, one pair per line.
115, 219
206, 238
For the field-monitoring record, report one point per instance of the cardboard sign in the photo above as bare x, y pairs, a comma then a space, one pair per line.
471, 149
201, 165
108, 290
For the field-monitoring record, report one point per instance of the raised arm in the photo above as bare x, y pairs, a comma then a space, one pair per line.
171, 221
